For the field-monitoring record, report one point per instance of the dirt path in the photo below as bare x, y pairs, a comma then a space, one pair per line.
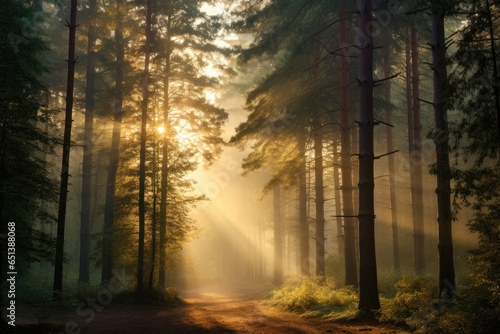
230, 308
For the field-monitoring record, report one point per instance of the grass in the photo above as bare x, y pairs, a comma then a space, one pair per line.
313, 297
409, 302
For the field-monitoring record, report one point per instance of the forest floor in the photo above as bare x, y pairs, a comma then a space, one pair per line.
219, 308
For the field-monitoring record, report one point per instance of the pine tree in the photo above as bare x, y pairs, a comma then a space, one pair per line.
26, 187
476, 145
368, 289
441, 140
63, 194
85, 221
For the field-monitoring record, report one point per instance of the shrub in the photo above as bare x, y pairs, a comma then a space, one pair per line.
311, 296
412, 303
473, 312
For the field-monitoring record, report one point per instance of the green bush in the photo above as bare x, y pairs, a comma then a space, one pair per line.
412, 303
312, 296
473, 313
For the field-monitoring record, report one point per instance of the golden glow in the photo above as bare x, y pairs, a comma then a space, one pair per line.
210, 96
211, 71
160, 129
183, 133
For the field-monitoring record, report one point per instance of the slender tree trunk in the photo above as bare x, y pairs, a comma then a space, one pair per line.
154, 217
96, 192
84, 274
418, 204
351, 273
368, 289
303, 221
164, 164
63, 194
445, 246
338, 203
390, 148
278, 238
261, 248
411, 146
355, 191
142, 163
320, 197
107, 249
409, 111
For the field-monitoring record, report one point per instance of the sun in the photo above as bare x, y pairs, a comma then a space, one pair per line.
181, 132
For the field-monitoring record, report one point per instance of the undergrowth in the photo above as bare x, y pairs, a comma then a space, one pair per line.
417, 307
313, 297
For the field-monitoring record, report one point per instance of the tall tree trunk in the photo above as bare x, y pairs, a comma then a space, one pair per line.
107, 249
142, 163
63, 194
278, 238
351, 273
261, 248
409, 111
164, 163
418, 202
84, 274
445, 246
338, 203
368, 289
303, 221
355, 191
154, 216
390, 148
320, 197
411, 145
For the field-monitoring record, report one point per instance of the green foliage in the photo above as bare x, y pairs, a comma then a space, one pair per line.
26, 190
413, 298
477, 145
311, 296
472, 313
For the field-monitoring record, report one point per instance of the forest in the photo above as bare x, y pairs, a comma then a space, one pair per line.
250, 166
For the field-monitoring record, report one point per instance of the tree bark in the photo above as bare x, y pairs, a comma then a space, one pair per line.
84, 274
338, 203
107, 250
368, 289
390, 148
303, 221
63, 194
411, 137
278, 238
154, 216
351, 273
142, 163
416, 156
164, 163
320, 197
445, 246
